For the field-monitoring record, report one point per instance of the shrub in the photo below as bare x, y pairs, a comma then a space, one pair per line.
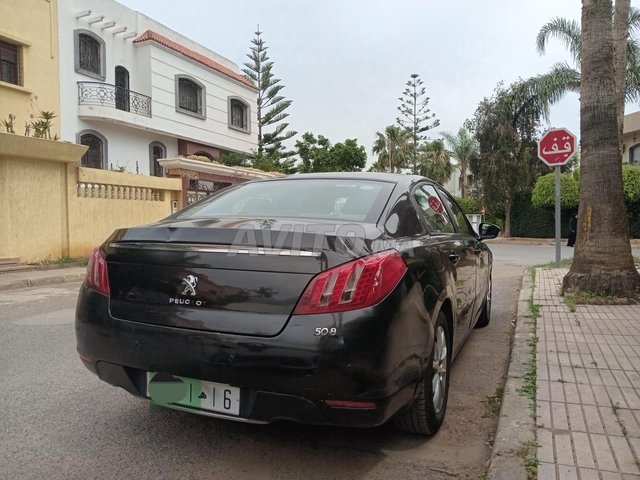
544, 192
631, 184
468, 205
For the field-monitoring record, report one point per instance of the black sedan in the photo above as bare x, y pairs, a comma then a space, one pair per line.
325, 299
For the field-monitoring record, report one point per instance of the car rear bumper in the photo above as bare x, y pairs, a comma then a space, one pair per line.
377, 356
258, 406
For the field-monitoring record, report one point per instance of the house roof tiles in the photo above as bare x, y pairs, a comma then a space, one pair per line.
150, 35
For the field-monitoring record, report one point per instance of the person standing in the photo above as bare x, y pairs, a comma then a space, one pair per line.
573, 227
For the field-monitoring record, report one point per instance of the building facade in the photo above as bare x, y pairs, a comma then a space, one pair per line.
28, 63
134, 91
631, 139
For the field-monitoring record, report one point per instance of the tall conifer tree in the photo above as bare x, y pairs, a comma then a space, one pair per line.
271, 107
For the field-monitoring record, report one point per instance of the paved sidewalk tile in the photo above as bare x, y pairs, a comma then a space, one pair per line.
547, 471
588, 399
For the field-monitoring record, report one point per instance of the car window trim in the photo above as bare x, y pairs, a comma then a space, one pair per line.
419, 212
442, 192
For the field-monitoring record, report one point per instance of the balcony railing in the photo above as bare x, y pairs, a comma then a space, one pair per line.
106, 95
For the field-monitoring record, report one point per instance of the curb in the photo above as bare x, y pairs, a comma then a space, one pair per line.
516, 426
54, 280
36, 267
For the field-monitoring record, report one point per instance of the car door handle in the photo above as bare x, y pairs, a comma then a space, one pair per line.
455, 258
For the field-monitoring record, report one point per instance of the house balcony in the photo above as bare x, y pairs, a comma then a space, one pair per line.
102, 101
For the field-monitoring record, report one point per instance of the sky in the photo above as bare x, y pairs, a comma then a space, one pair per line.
344, 63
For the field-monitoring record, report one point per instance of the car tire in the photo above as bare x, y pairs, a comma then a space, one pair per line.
485, 315
427, 411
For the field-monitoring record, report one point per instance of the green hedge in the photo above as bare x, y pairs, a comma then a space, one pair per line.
468, 205
529, 221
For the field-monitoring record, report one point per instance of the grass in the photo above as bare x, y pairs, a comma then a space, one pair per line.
580, 297
529, 383
493, 403
64, 260
570, 302
535, 310
565, 262
531, 462
615, 407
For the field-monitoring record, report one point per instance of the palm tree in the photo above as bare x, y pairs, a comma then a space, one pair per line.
603, 263
463, 148
393, 148
435, 162
563, 78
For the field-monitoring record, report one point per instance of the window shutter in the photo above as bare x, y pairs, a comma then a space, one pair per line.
9, 69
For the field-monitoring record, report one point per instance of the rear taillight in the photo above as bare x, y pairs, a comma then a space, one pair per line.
357, 284
97, 278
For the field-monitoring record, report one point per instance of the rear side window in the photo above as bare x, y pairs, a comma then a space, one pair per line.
343, 200
458, 216
432, 210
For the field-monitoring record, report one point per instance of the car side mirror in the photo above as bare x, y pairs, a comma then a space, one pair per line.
488, 231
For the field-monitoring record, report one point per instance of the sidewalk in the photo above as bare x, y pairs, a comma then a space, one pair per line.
588, 387
635, 242
587, 422
10, 280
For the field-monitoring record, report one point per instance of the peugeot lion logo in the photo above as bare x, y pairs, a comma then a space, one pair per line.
190, 283
190, 288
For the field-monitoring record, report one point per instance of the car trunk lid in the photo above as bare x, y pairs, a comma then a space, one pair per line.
220, 276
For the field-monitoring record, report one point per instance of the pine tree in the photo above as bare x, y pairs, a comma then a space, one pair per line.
416, 117
271, 105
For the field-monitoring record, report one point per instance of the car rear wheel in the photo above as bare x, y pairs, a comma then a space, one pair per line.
426, 414
485, 316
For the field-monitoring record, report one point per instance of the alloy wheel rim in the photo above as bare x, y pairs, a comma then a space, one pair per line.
439, 380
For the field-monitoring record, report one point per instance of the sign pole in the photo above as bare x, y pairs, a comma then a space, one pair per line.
558, 253
555, 148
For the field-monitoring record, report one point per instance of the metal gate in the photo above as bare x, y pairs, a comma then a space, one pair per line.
199, 189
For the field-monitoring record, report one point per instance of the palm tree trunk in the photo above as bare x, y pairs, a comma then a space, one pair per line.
602, 263
620, 35
463, 173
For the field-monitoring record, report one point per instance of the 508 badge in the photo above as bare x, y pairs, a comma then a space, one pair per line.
324, 331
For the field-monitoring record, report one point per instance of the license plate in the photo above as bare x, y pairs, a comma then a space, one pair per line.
201, 394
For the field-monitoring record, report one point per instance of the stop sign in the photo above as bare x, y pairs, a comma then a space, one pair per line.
436, 205
556, 147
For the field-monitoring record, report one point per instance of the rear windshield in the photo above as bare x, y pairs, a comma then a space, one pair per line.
344, 200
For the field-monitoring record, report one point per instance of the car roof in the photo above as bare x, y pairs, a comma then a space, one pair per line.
399, 179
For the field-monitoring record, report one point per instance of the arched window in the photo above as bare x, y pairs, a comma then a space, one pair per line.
89, 54
156, 151
634, 154
122, 88
190, 96
238, 114
96, 155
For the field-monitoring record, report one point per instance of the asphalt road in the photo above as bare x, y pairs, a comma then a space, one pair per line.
518, 254
60, 422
